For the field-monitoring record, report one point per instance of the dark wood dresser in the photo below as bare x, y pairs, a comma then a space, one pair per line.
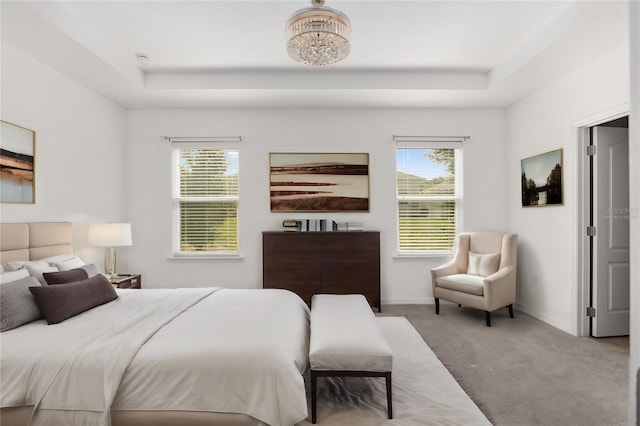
307, 263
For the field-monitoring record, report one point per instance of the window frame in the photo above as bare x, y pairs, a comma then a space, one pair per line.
430, 143
178, 144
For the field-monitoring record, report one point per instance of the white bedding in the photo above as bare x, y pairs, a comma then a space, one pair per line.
237, 351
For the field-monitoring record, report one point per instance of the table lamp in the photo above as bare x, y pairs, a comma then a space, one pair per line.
110, 235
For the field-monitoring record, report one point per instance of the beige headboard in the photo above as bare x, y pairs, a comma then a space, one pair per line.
31, 241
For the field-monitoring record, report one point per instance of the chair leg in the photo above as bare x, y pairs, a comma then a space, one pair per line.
510, 310
487, 316
437, 306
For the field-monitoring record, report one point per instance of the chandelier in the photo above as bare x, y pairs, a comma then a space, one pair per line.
318, 35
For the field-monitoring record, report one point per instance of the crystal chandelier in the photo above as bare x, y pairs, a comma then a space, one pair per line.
318, 35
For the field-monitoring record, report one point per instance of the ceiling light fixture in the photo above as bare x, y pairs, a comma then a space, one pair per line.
318, 35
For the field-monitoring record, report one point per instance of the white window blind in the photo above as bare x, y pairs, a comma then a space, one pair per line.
205, 196
429, 195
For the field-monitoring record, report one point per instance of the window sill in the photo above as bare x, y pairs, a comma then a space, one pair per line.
206, 258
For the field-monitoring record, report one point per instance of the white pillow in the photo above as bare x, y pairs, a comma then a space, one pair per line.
37, 268
483, 264
73, 263
1, 268
7, 277
14, 265
58, 258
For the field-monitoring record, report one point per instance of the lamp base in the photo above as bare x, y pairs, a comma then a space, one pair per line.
110, 261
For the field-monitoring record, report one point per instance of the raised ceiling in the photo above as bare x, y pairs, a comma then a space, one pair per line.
452, 54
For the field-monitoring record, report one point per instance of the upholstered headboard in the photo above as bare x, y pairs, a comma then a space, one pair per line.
36, 240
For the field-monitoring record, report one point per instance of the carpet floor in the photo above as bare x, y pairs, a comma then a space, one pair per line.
524, 372
424, 392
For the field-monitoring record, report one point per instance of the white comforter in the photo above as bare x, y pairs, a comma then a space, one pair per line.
236, 351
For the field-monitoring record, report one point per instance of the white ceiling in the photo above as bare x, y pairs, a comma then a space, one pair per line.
452, 54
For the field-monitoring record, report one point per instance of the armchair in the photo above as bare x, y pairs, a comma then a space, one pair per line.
481, 274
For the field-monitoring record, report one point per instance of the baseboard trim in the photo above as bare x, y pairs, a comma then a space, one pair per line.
427, 301
567, 328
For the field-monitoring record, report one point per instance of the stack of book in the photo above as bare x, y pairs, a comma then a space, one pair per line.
320, 225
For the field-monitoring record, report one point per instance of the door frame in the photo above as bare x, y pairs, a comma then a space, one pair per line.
581, 292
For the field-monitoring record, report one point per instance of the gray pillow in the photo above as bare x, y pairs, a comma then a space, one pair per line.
17, 306
60, 302
92, 270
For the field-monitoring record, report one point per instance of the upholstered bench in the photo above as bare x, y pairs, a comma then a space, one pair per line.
346, 341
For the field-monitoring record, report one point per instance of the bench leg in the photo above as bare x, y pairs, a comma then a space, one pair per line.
314, 396
437, 306
389, 399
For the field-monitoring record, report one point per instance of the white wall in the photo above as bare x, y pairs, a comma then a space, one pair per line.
322, 130
634, 178
543, 122
80, 176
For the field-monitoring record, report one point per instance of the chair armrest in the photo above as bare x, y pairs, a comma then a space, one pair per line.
500, 288
448, 268
499, 275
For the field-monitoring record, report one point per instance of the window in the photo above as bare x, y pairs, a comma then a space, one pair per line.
205, 197
429, 195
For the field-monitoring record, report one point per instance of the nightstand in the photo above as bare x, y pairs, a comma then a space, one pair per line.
127, 281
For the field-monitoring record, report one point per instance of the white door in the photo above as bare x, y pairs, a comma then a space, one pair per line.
611, 243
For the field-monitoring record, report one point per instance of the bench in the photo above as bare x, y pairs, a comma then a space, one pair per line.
346, 341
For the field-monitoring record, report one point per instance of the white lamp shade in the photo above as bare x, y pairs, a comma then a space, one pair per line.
110, 234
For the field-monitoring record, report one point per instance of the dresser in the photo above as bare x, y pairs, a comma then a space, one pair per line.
307, 263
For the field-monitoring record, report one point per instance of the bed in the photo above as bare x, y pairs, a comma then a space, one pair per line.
184, 356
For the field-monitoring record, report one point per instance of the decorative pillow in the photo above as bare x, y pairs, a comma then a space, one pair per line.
92, 270
1, 269
36, 269
7, 277
60, 302
483, 264
17, 306
58, 258
67, 265
64, 277
14, 265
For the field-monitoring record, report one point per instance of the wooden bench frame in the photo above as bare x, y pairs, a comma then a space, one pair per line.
347, 373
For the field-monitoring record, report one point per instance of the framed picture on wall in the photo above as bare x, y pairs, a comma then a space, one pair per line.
17, 164
319, 182
541, 179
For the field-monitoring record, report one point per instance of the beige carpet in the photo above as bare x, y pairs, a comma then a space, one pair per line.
424, 393
524, 372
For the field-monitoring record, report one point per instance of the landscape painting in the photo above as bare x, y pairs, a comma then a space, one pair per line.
17, 164
319, 182
542, 179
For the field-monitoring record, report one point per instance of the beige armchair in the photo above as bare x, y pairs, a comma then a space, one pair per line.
481, 274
